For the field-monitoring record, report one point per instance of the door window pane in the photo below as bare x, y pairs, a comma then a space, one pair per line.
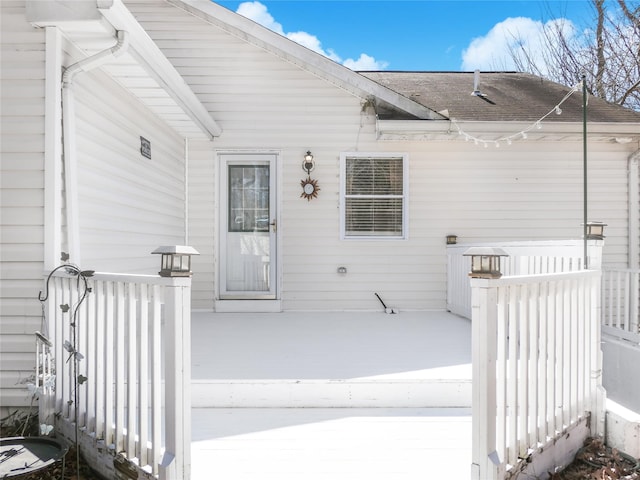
248, 198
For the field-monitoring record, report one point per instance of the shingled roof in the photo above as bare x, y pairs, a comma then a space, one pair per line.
506, 96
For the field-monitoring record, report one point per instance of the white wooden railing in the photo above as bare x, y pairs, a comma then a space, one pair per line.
536, 366
128, 386
621, 303
525, 258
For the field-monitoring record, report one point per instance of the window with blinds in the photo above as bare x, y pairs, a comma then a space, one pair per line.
374, 196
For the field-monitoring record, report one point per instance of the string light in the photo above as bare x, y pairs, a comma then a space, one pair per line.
523, 133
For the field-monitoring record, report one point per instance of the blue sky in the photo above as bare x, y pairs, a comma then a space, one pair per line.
433, 35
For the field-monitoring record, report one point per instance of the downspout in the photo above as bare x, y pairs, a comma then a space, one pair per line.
634, 210
69, 159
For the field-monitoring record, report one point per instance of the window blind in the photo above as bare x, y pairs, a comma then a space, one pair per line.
374, 196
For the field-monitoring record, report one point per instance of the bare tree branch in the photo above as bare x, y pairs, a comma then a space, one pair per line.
608, 53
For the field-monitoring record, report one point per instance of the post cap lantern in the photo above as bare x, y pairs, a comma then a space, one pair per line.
485, 261
176, 260
595, 230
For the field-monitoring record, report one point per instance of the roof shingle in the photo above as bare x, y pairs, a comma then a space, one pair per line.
508, 96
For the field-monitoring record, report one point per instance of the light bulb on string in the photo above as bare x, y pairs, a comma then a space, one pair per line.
523, 134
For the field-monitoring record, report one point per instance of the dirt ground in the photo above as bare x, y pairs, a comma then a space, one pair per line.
596, 461
64, 470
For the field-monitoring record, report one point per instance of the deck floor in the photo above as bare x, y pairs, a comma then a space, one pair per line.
330, 345
330, 443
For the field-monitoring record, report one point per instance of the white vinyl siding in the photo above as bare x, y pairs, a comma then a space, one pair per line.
128, 204
202, 217
22, 200
373, 196
531, 190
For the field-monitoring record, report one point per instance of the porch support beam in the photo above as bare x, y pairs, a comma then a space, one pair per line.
53, 150
147, 54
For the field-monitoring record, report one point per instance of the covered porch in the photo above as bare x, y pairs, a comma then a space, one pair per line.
331, 395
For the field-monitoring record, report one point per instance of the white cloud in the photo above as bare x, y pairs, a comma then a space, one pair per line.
312, 43
492, 51
258, 12
365, 62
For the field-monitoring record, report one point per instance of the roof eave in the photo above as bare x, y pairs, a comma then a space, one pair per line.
492, 131
159, 67
107, 16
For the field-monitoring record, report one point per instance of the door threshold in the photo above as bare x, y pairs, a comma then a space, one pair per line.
248, 306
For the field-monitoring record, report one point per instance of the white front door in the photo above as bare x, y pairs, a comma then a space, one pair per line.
248, 226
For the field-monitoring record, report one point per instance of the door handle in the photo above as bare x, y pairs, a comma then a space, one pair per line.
274, 225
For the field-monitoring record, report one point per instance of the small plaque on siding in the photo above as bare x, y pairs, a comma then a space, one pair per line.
145, 147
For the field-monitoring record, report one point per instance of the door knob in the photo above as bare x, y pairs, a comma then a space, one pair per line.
274, 225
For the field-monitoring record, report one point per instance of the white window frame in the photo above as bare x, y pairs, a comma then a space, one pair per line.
405, 194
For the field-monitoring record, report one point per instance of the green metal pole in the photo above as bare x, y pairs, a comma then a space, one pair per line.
584, 168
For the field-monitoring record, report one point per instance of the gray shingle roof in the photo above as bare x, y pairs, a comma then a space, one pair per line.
510, 96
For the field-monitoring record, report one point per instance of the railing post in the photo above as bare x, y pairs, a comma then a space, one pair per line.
176, 463
484, 301
598, 393
594, 249
634, 300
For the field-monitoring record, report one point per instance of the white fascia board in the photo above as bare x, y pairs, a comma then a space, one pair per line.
147, 53
490, 131
292, 52
79, 16
52, 12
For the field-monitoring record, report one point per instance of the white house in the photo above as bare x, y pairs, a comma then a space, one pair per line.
132, 124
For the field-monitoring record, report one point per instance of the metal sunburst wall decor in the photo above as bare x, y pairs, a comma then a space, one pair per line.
310, 188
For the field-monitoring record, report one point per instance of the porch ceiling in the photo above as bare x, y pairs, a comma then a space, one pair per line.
142, 70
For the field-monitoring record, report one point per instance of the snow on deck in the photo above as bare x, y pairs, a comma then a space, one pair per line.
410, 354
331, 444
330, 345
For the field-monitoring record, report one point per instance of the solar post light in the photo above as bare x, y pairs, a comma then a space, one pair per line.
485, 261
176, 260
595, 230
